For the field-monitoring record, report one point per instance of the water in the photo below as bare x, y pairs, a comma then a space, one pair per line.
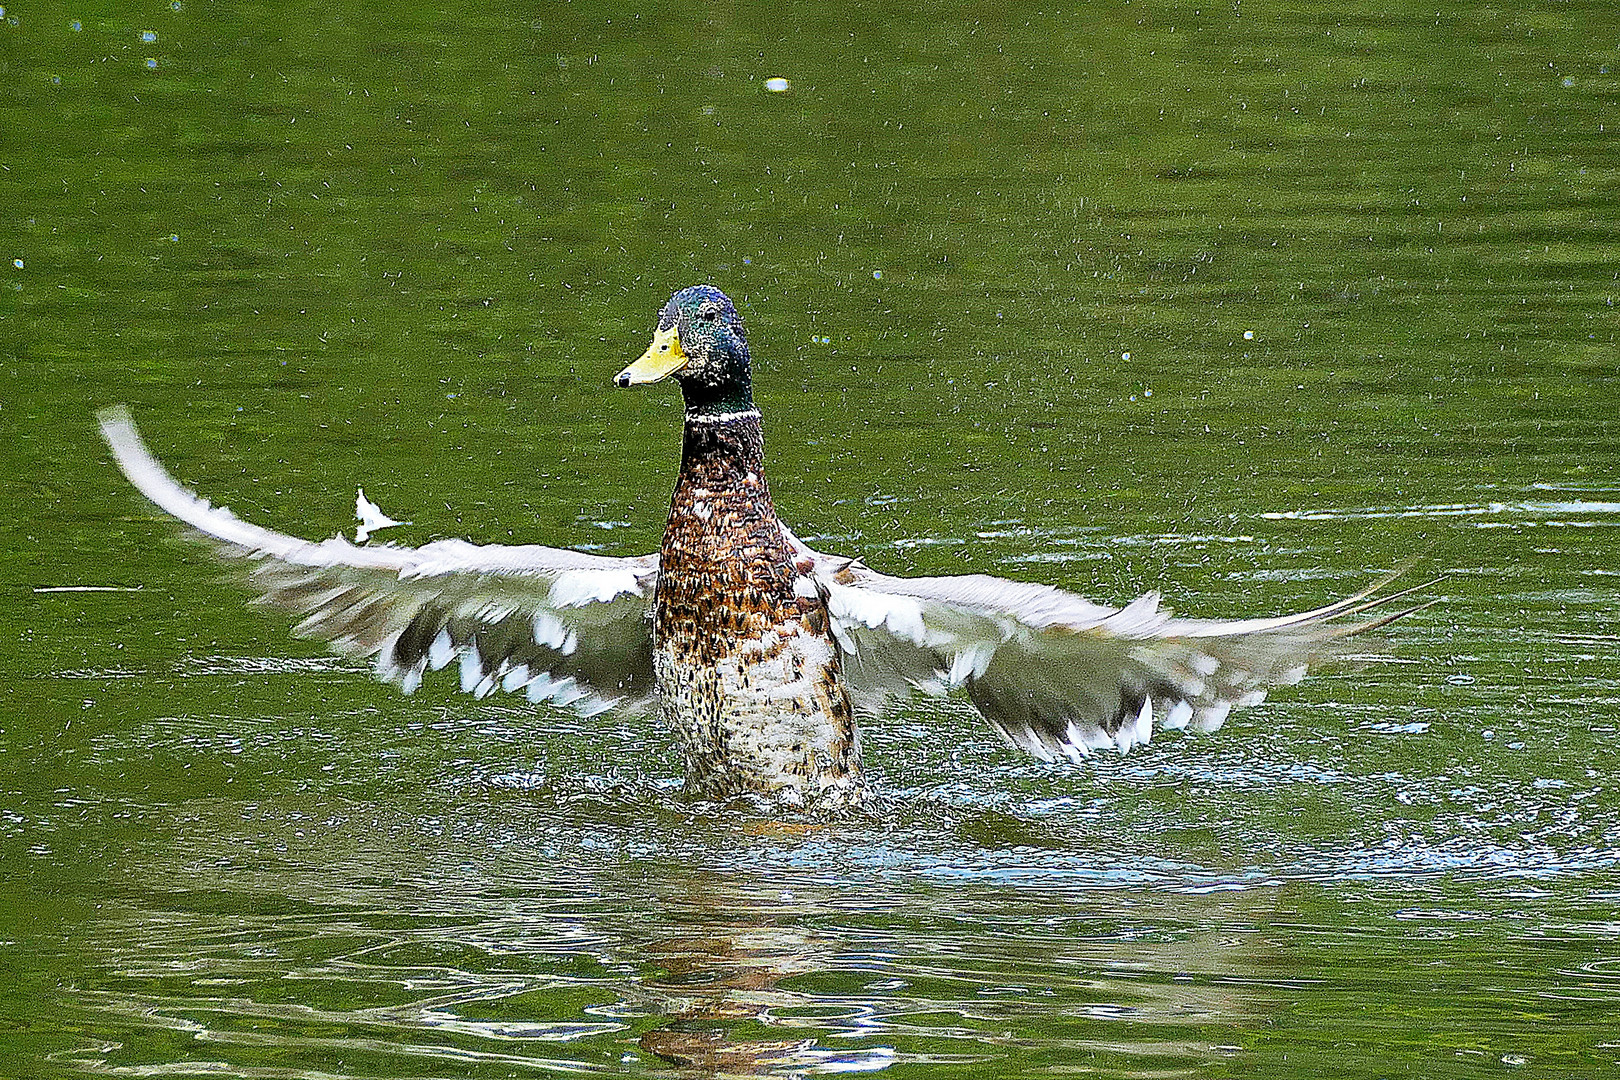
1245, 304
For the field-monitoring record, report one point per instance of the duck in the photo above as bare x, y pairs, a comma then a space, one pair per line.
756, 651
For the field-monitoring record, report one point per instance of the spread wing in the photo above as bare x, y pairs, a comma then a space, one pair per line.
562, 626
1055, 674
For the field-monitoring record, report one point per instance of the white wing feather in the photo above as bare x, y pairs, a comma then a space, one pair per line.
1055, 674
562, 626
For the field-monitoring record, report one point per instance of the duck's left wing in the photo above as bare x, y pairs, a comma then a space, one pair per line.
563, 626
1058, 675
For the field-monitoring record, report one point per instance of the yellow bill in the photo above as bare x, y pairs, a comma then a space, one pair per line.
662, 359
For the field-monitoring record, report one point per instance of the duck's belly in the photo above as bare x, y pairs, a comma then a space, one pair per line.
766, 714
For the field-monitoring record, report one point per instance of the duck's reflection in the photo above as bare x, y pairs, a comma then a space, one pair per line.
776, 957
719, 982
761, 980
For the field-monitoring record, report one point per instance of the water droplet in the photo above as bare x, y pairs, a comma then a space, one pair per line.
1248, 335
75, 26
148, 36
777, 85
151, 62
1124, 356
18, 263
877, 275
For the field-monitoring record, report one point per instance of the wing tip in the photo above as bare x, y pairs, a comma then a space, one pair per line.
114, 416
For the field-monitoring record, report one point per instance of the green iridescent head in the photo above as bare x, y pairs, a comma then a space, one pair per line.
699, 341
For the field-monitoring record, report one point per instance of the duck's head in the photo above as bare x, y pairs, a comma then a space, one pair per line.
700, 342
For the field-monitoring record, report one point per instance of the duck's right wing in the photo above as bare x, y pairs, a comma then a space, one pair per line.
1058, 675
563, 626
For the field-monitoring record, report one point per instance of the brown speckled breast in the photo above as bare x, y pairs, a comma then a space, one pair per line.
747, 672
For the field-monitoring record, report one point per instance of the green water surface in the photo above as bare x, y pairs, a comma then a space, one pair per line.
1244, 302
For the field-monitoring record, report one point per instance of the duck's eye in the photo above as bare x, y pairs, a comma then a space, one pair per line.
709, 315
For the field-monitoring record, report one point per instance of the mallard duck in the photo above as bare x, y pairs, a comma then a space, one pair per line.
755, 648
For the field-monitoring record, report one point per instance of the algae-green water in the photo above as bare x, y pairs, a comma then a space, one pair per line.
1247, 303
